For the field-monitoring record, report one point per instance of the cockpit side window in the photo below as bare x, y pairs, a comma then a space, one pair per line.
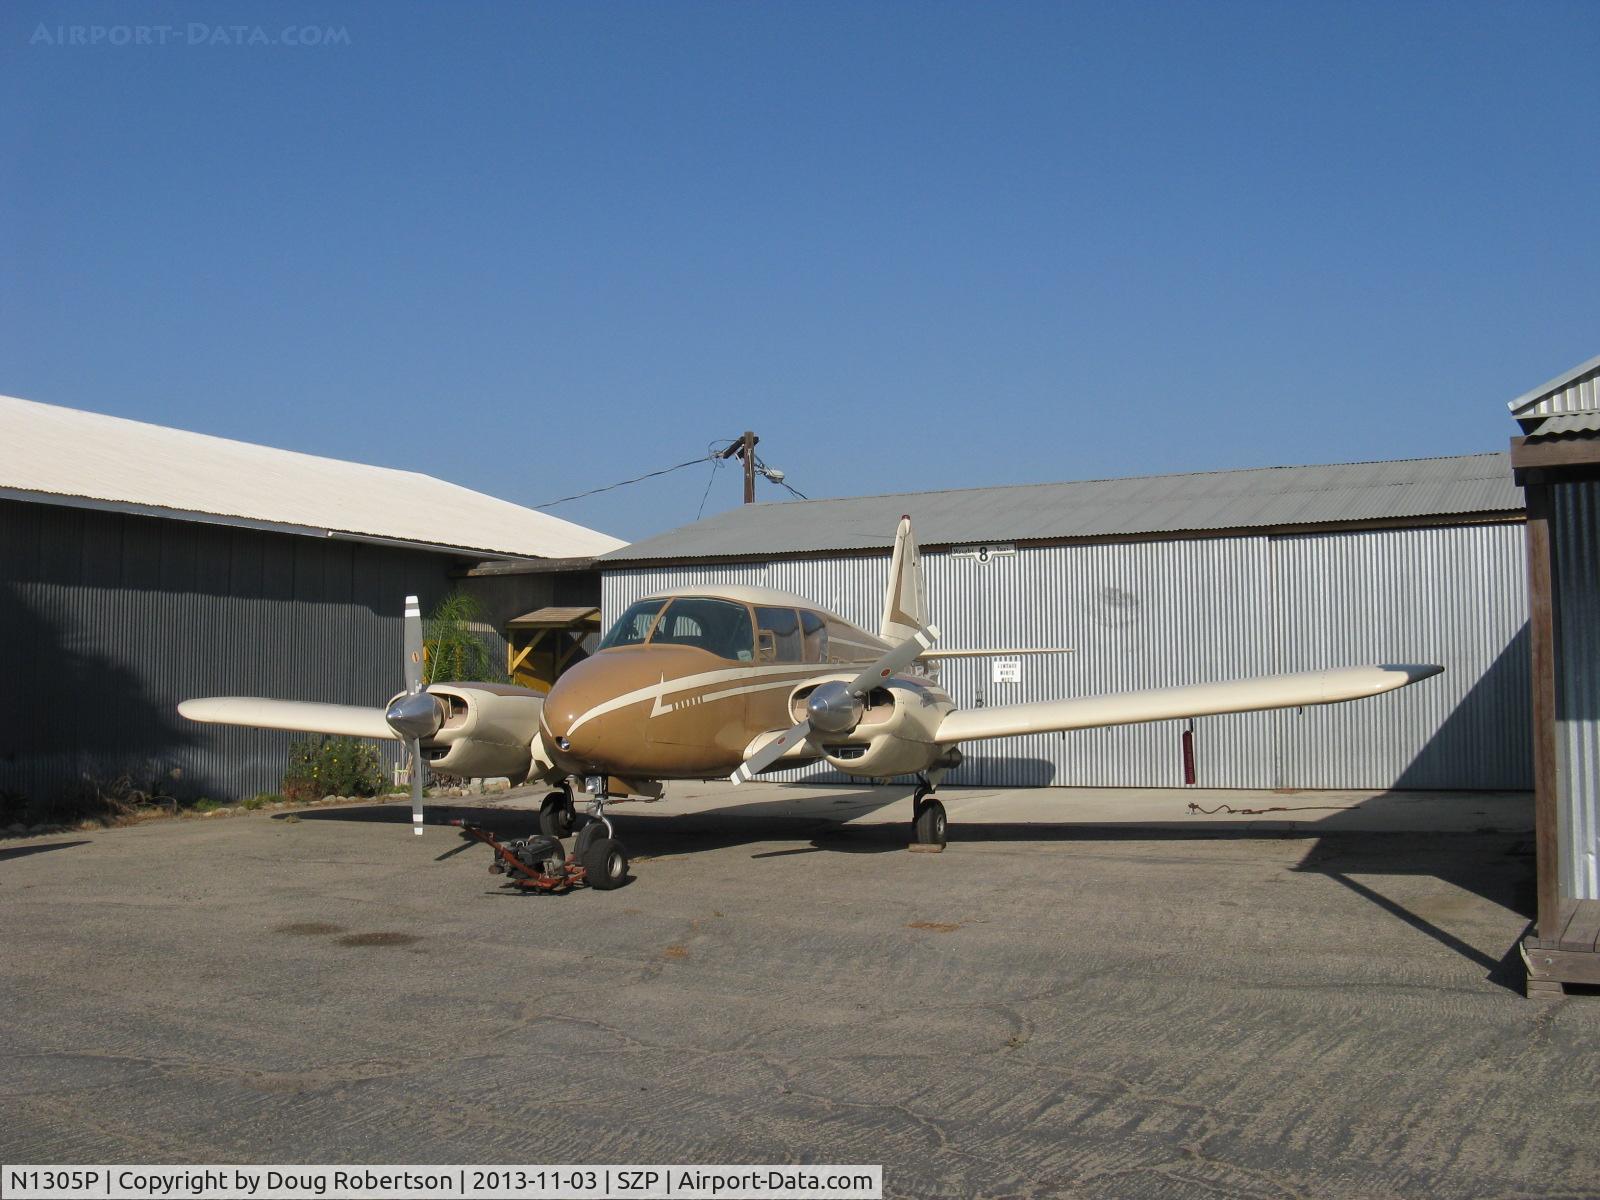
815, 631
717, 626
633, 626
778, 639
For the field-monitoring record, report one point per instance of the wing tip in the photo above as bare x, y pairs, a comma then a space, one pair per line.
1414, 672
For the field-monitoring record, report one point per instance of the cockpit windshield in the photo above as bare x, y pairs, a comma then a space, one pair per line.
717, 626
633, 626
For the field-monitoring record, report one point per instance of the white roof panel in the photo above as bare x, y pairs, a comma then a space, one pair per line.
54, 451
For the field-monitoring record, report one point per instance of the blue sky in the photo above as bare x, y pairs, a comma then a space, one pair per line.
538, 248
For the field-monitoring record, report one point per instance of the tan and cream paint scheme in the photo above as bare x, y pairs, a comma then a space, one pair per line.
704, 682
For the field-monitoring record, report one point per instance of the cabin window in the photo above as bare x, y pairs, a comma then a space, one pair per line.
778, 635
716, 626
815, 631
633, 626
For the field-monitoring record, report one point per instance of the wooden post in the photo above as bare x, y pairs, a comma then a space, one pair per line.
1542, 648
745, 448
749, 467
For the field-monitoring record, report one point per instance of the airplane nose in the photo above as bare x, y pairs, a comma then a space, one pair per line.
565, 704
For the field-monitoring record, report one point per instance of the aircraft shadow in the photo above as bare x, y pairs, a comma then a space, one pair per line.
1495, 865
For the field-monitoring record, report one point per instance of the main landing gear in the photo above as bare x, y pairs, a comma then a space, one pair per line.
927, 814
558, 816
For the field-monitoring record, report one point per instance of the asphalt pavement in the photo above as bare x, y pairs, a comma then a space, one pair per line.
1086, 994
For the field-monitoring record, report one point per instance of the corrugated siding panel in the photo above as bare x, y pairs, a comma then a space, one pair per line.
1575, 545
1578, 395
1138, 615
111, 620
1454, 596
1158, 614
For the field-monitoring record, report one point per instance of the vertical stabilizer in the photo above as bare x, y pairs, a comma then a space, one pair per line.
905, 605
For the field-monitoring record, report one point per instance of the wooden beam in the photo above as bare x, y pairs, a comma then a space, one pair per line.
1564, 966
1541, 637
1559, 452
512, 663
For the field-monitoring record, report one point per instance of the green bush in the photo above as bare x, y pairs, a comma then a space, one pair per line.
260, 800
331, 766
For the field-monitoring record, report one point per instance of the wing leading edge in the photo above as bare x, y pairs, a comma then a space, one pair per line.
1197, 700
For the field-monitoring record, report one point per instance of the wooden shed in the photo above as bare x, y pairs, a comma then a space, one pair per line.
1557, 462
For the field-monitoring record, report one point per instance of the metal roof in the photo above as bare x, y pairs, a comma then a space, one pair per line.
1577, 390
1219, 500
1561, 424
64, 455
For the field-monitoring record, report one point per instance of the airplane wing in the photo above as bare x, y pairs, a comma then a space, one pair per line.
346, 720
1197, 700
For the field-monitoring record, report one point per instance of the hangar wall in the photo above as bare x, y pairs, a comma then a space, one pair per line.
1575, 537
110, 619
1167, 612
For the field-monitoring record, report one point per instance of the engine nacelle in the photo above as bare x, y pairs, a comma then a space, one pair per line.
894, 734
487, 730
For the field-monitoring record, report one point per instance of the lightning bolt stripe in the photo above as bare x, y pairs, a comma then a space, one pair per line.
656, 692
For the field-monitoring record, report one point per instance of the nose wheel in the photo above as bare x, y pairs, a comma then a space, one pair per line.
927, 818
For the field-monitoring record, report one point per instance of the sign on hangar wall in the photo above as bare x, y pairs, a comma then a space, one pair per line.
983, 553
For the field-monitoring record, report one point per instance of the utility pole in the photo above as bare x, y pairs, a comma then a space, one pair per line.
745, 448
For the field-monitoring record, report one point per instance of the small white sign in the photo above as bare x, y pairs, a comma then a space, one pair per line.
985, 552
1008, 670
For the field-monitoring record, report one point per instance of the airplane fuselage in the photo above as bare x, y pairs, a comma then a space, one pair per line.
706, 676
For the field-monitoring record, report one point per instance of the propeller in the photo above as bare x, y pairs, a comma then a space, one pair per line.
835, 706
416, 714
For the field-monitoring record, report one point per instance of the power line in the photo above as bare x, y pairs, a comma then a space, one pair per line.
624, 483
713, 455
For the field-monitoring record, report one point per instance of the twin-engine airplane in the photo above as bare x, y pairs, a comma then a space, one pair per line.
711, 681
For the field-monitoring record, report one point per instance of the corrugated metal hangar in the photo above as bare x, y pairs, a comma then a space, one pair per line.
142, 565
1177, 579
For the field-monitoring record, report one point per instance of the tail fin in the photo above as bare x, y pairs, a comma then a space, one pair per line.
905, 604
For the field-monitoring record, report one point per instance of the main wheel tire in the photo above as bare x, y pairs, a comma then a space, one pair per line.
929, 826
591, 830
605, 862
556, 815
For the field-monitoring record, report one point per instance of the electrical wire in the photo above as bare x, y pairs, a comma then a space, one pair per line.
716, 465
783, 483
713, 455
636, 479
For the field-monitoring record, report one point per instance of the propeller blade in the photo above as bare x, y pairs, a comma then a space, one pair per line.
417, 768
413, 645
770, 753
896, 658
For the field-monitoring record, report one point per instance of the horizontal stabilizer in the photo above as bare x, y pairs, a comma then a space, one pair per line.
345, 720
1197, 700
1009, 652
